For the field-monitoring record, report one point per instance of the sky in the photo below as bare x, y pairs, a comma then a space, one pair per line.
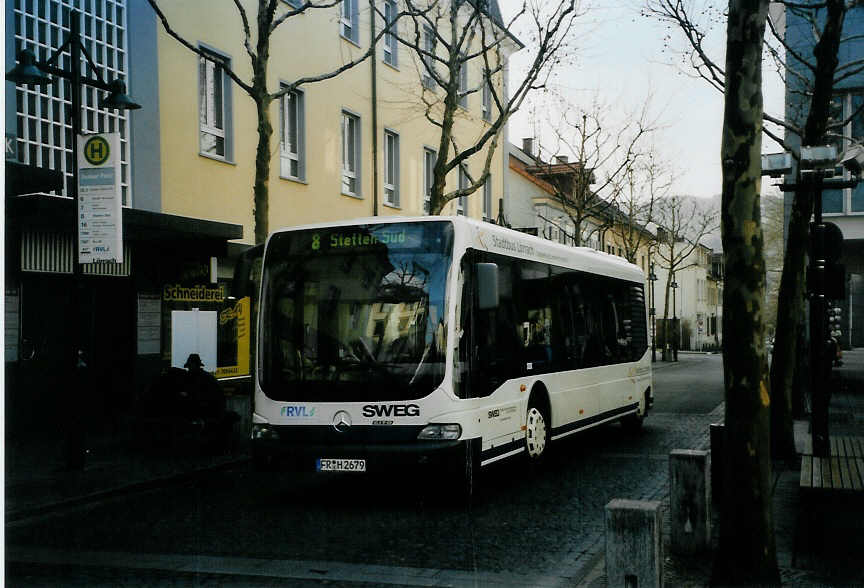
620, 57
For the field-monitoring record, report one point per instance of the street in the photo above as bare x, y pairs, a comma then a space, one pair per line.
241, 527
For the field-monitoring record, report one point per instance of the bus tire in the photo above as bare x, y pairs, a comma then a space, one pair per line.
537, 432
632, 423
461, 478
262, 462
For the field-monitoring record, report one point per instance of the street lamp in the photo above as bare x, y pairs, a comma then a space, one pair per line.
652, 311
674, 286
29, 71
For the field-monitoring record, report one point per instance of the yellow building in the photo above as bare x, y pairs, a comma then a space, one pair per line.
357, 145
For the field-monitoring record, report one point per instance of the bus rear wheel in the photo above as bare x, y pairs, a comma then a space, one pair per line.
536, 433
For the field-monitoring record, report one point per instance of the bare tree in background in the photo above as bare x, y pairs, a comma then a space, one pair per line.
681, 224
644, 184
812, 76
772, 230
452, 39
270, 15
596, 148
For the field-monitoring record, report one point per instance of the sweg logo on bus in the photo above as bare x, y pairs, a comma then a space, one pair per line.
297, 411
391, 410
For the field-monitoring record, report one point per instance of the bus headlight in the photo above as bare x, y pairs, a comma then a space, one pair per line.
439, 432
263, 431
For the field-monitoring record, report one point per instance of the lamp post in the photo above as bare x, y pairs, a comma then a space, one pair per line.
674, 286
652, 312
29, 71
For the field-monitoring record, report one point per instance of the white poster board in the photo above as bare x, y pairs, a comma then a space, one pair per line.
100, 200
193, 331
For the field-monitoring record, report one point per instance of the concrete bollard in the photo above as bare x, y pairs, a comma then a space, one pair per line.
690, 501
718, 437
634, 544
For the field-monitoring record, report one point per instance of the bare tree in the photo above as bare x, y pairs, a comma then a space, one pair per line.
270, 15
811, 78
450, 37
597, 148
747, 552
772, 230
681, 224
644, 183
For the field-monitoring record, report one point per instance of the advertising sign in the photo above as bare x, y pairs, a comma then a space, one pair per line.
100, 201
234, 340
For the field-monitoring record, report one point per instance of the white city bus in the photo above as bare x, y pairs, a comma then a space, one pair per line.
387, 342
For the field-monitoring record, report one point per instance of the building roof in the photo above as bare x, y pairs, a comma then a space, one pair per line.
491, 9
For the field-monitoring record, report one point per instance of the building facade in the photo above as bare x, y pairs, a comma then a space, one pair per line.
357, 145
691, 298
843, 207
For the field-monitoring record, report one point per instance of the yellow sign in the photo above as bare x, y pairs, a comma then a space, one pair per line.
200, 293
240, 313
96, 150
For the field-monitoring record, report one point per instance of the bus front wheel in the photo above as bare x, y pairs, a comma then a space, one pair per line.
536, 432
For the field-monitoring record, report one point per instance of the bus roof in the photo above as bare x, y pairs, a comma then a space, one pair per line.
497, 239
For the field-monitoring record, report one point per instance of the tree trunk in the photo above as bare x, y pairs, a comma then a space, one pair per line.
439, 173
577, 232
790, 313
666, 313
747, 553
262, 170
790, 307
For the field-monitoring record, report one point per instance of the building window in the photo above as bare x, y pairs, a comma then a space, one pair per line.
487, 199
350, 154
213, 85
487, 98
391, 42
429, 43
44, 133
464, 182
429, 157
391, 168
292, 152
463, 81
843, 107
348, 21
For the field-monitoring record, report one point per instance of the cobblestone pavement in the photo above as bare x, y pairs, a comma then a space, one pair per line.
533, 528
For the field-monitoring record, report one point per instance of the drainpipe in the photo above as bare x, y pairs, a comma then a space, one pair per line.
374, 58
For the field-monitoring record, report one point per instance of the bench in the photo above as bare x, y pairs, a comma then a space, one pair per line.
842, 470
831, 489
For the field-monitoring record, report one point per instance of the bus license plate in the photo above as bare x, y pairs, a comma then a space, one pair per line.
341, 465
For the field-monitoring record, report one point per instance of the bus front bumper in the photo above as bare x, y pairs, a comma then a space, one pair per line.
300, 448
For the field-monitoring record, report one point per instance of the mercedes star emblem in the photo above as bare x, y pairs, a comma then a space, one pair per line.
342, 421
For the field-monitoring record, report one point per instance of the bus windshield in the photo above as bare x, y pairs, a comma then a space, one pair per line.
355, 313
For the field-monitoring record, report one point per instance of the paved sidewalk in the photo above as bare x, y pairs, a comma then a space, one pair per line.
830, 558
37, 482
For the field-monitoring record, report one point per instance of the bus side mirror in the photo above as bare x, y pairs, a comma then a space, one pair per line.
245, 278
487, 285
